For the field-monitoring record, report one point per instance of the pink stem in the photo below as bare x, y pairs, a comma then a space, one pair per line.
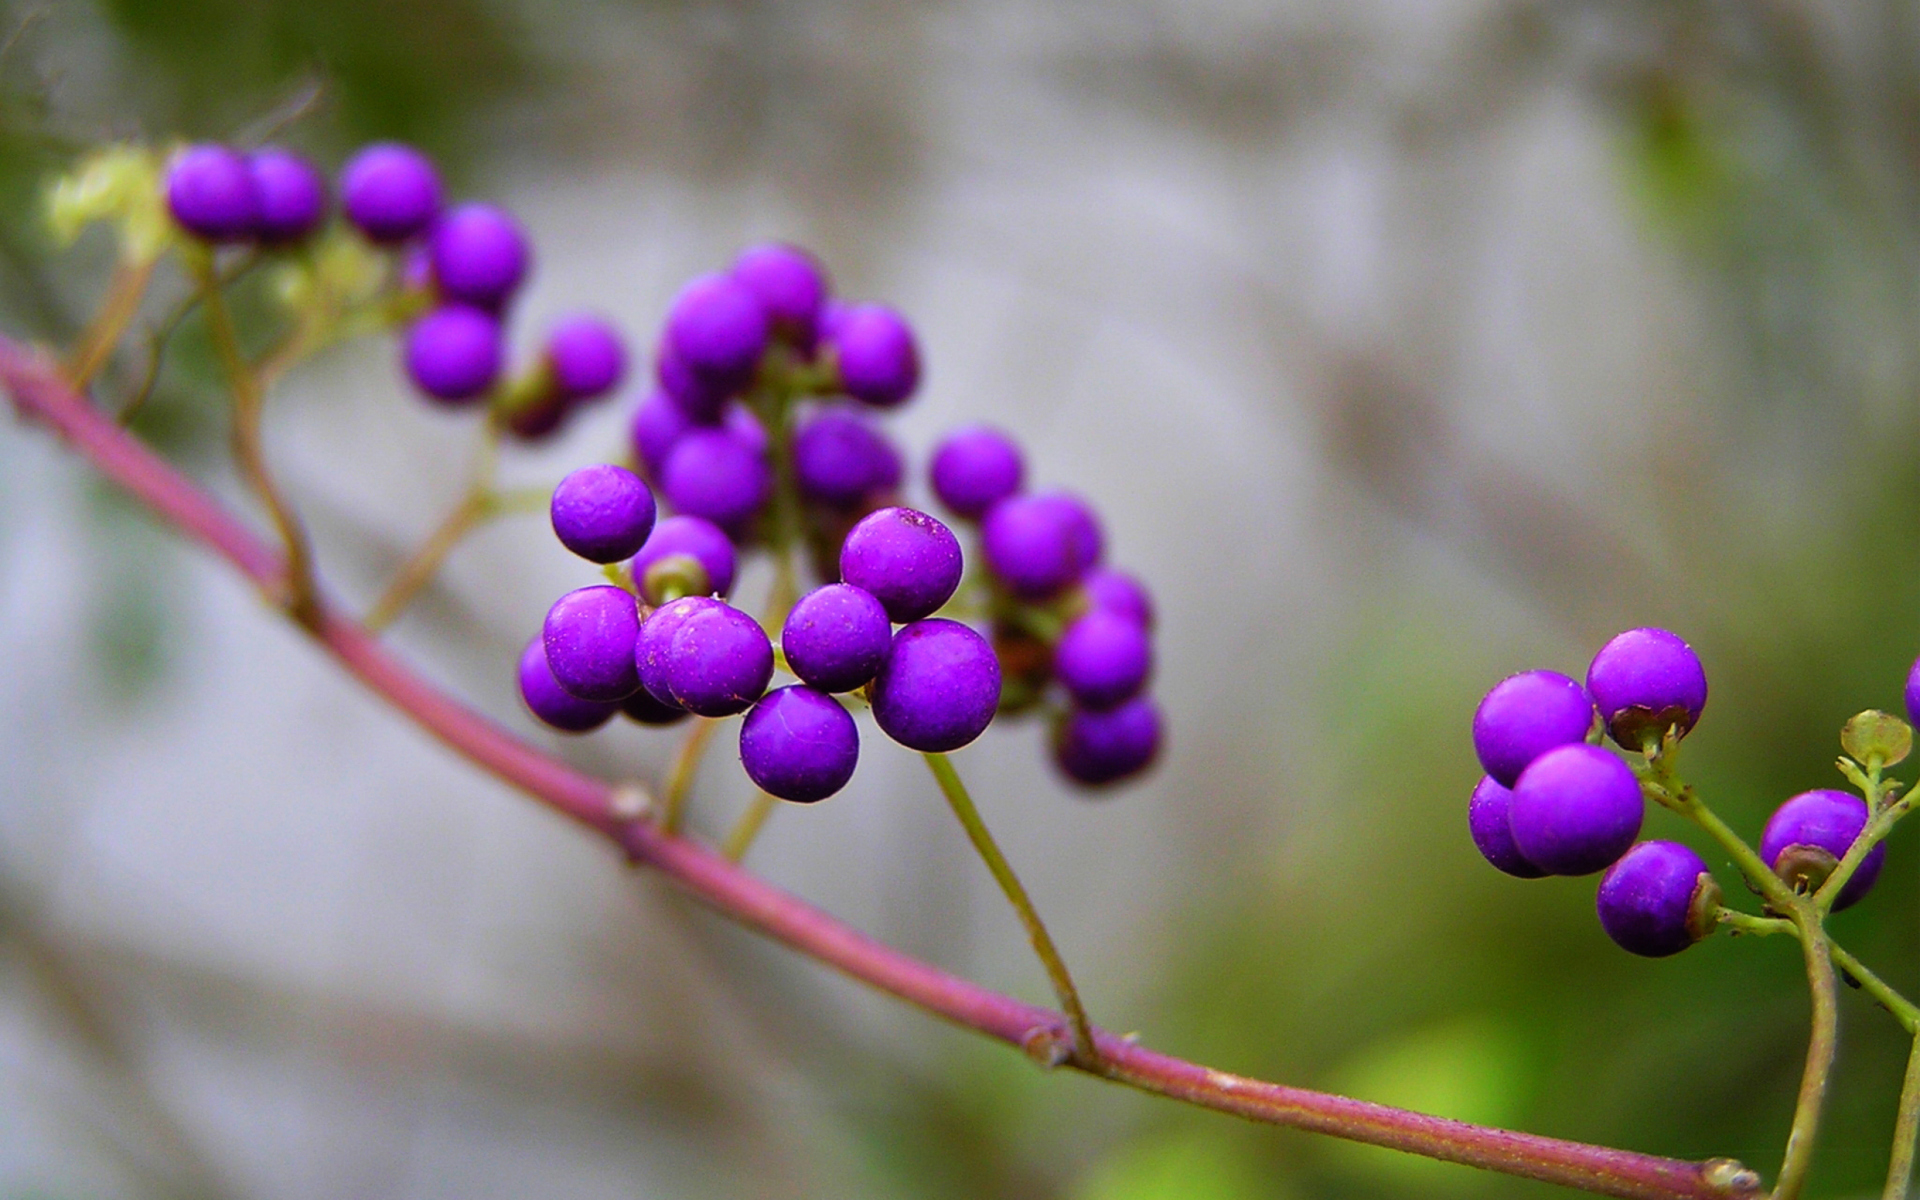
40, 392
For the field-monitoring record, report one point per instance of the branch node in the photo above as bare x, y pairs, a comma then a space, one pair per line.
1731, 1176
1048, 1046
630, 802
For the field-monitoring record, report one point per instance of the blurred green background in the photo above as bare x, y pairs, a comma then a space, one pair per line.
1490, 329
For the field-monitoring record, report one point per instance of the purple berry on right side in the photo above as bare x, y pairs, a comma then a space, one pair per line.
602, 513
706, 656
1041, 543
714, 474
1117, 591
939, 687
875, 354
390, 192
1099, 748
212, 195
1658, 899
836, 637
553, 704
1808, 835
698, 539
718, 329
1103, 659
479, 255
1645, 682
907, 559
975, 468
1575, 810
1526, 715
292, 194
453, 353
589, 635
799, 744
1487, 821
789, 284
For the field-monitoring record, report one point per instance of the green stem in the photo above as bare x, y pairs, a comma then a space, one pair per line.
1903, 1009
475, 508
686, 764
1878, 826
102, 334
1688, 803
740, 837
955, 791
1820, 1050
1747, 923
1900, 1167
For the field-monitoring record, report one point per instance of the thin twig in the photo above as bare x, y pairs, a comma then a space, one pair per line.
1821, 1045
1905, 1129
686, 764
475, 508
102, 335
740, 838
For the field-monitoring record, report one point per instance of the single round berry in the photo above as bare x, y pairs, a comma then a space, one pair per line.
1913, 693
1658, 899
1807, 836
718, 329
292, 193
1103, 659
840, 460
705, 656
589, 635
836, 637
939, 687
211, 193
657, 426
390, 192
1645, 682
1526, 715
641, 707
453, 353
1116, 591
1487, 821
699, 399
907, 559
874, 351
789, 284
974, 469
712, 473
1096, 748
1040, 543
696, 538
650, 648
602, 513
1575, 810
799, 744
586, 356
479, 254
550, 702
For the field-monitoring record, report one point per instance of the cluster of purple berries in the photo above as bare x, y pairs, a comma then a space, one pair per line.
462, 264
1554, 802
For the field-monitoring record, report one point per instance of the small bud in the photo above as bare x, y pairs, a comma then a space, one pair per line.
676, 575
1731, 1176
1804, 868
1874, 734
119, 184
1703, 911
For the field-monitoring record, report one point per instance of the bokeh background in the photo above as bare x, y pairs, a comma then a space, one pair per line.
1403, 345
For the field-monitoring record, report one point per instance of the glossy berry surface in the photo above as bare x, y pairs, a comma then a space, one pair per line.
292, 194
1644, 682
697, 538
602, 513
589, 636
390, 192
1118, 592
1575, 810
789, 284
907, 559
874, 351
453, 353
839, 459
939, 687
718, 329
705, 656
553, 704
211, 193
1825, 822
1096, 748
1657, 900
798, 744
715, 474
1041, 543
586, 356
1526, 715
974, 469
1487, 820
479, 254
836, 637
1103, 659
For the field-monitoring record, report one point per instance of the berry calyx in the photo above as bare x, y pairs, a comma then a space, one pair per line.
602, 513
939, 687
799, 744
1658, 899
908, 560
1575, 810
1808, 835
1646, 682
1526, 715
695, 537
1487, 821
836, 637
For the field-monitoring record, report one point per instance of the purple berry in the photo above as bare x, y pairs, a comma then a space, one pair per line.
1096, 748
550, 702
712, 473
656, 636
292, 192
697, 398
939, 687
1526, 715
643, 708
974, 469
1644, 682
839, 459
586, 356
705, 656
836, 637
1117, 591
602, 513
738, 419
1040, 543
657, 426
1808, 836
1658, 899
1913, 693
907, 559
698, 539
789, 284
1103, 659
589, 635
799, 745
453, 353
479, 254
876, 356
1487, 821
1575, 810
211, 193
718, 329
390, 191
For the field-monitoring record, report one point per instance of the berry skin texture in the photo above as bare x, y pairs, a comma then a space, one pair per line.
836, 637
1526, 715
1575, 810
586, 356
1492, 834
697, 538
874, 351
1644, 682
479, 254
453, 353
907, 559
390, 192
715, 474
1658, 899
1808, 835
798, 744
839, 459
1099, 748
706, 657
292, 193
1103, 659
1117, 591
939, 687
974, 469
718, 329
550, 702
589, 636
602, 513
212, 195
789, 284
1040, 543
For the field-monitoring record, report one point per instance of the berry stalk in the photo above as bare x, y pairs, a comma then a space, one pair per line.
1905, 1130
1821, 1045
740, 838
475, 508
